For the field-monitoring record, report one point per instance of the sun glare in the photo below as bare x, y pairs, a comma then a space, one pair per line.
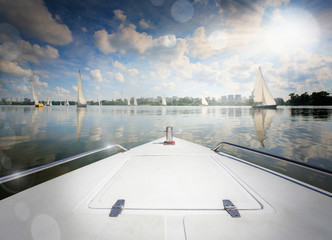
292, 29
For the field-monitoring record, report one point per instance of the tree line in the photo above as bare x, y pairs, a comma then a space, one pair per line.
321, 98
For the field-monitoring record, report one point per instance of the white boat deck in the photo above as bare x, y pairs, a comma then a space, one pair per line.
170, 192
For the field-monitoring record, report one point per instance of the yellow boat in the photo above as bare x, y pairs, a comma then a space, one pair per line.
39, 105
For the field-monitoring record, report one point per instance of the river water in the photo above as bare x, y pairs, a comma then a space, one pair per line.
31, 136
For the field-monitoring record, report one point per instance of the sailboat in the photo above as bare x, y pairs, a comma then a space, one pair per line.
163, 101
204, 102
128, 101
135, 102
263, 119
81, 102
48, 102
35, 98
262, 95
67, 103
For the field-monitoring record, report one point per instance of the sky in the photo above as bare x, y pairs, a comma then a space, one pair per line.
150, 48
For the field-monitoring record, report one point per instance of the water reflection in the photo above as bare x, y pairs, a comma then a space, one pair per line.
263, 119
316, 113
30, 136
80, 112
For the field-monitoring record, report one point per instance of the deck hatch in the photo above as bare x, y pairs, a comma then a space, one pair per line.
231, 209
117, 208
173, 183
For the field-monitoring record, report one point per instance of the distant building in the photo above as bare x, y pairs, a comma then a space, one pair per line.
175, 98
230, 98
223, 98
238, 98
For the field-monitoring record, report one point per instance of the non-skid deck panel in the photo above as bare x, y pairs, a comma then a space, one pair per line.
173, 182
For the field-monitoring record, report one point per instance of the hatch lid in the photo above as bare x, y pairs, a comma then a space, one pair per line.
179, 182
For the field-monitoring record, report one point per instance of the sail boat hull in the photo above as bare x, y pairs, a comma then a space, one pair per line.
265, 106
81, 105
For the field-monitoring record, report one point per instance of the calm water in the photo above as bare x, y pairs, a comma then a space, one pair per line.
31, 136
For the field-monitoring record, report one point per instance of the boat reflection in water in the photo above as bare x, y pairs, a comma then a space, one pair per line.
80, 117
263, 119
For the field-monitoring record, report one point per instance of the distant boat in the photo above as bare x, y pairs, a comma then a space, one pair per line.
81, 102
67, 103
35, 98
135, 102
48, 103
204, 102
128, 101
163, 101
262, 95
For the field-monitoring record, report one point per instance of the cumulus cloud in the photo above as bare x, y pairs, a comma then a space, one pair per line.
119, 65
32, 18
119, 14
62, 92
200, 46
37, 82
12, 68
95, 75
119, 77
127, 39
144, 24
33, 52
75, 88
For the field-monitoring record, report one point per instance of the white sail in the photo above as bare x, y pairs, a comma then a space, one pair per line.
67, 103
204, 102
261, 92
163, 101
35, 98
48, 101
135, 101
80, 94
128, 101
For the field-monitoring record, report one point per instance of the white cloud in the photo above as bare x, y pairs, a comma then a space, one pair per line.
119, 14
84, 29
144, 24
12, 68
119, 77
33, 52
202, 47
74, 88
119, 65
126, 39
133, 72
62, 92
33, 19
37, 82
95, 75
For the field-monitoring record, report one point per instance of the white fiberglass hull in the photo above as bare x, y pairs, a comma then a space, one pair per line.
170, 192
